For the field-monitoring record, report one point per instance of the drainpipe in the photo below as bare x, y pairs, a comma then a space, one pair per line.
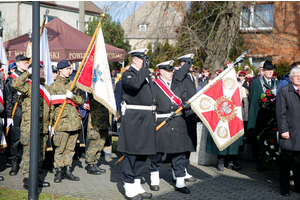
18, 13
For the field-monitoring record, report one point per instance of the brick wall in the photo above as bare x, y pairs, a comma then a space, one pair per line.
283, 41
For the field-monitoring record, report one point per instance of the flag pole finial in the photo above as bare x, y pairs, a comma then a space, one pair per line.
104, 10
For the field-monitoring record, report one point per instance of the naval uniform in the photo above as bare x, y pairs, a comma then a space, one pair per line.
183, 76
136, 137
173, 137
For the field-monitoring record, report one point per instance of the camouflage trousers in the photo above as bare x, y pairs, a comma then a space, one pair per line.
65, 144
97, 141
26, 153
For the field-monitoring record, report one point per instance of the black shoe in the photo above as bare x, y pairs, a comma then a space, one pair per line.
15, 167
232, 166
1, 178
43, 184
26, 183
103, 171
154, 187
191, 179
58, 175
183, 190
68, 174
221, 167
92, 170
285, 193
136, 197
146, 195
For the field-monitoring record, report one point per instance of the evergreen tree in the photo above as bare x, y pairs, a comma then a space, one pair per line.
113, 34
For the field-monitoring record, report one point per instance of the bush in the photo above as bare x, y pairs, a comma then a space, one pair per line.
282, 67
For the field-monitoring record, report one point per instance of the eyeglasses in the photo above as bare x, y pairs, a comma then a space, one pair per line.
295, 76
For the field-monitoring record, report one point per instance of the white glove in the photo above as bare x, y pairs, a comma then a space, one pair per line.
51, 131
69, 94
10, 121
19, 93
30, 70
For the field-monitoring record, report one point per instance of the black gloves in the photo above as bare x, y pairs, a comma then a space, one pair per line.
186, 105
146, 63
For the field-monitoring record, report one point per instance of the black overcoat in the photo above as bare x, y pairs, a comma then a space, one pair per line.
173, 136
138, 126
182, 75
288, 117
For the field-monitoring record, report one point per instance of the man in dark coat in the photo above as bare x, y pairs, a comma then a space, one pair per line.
173, 137
184, 75
259, 116
136, 137
11, 96
287, 113
285, 80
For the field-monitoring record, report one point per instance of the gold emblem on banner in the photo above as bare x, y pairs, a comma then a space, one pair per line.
205, 103
225, 108
229, 83
222, 132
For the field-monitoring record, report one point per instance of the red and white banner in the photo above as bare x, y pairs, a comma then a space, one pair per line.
3, 59
43, 92
218, 105
95, 76
45, 57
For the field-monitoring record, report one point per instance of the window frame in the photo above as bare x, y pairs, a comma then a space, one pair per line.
141, 27
252, 15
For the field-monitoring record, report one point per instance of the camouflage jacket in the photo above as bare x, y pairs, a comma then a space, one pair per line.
99, 119
70, 119
24, 87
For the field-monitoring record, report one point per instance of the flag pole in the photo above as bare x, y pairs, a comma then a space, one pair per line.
80, 67
30, 61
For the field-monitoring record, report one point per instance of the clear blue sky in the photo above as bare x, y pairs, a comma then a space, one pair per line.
120, 10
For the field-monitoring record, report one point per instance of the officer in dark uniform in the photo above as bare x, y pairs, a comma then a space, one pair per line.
136, 137
173, 137
11, 96
184, 74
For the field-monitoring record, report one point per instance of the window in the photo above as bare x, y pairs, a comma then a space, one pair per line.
254, 61
257, 17
143, 27
49, 18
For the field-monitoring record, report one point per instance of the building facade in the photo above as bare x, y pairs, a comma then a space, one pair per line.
18, 15
153, 22
272, 30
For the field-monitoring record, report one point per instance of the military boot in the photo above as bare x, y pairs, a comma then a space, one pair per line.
91, 169
68, 174
103, 171
58, 175
15, 167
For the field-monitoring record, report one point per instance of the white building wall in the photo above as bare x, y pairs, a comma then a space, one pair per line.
10, 14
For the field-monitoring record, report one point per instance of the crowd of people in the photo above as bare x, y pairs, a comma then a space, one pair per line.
145, 98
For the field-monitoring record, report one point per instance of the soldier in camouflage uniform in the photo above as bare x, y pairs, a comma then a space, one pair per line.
22, 85
69, 124
97, 133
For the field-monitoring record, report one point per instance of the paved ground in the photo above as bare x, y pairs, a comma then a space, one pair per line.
211, 183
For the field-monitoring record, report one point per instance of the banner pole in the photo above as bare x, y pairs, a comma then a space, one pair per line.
79, 69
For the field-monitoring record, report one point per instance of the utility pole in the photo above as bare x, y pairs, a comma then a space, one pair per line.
81, 16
